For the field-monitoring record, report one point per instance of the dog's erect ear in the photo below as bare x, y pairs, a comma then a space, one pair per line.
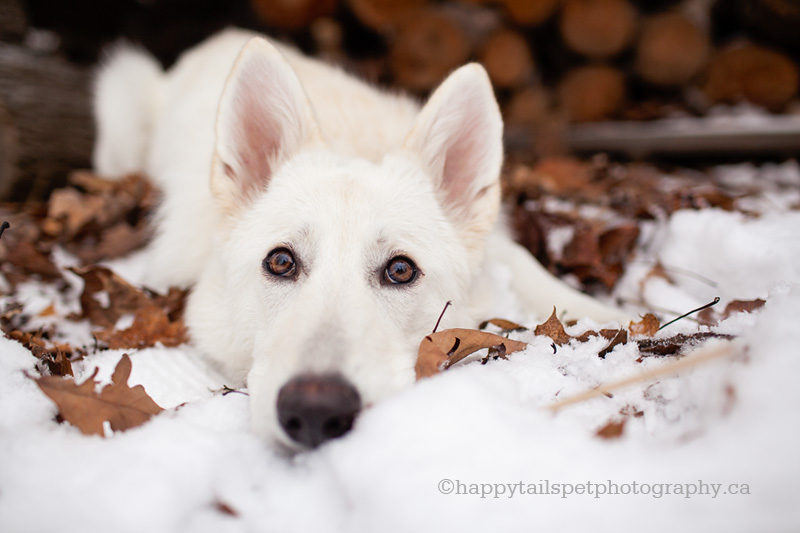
264, 118
458, 137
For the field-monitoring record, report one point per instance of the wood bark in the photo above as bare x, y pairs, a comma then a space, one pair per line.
46, 127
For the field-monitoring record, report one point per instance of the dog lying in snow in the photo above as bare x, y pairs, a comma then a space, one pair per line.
322, 224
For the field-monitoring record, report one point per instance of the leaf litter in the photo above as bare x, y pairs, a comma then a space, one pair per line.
96, 219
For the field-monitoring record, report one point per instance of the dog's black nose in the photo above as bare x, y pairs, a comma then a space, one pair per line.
313, 409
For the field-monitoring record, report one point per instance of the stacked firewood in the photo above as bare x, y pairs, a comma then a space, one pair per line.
552, 62
588, 59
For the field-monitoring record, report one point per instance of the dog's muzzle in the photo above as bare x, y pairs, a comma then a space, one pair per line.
313, 409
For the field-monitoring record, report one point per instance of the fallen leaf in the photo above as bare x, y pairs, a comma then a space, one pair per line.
607, 334
554, 329
673, 346
612, 430
121, 406
225, 508
441, 350
106, 297
620, 338
743, 306
646, 327
151, 325
505, 325
50, 310
115, 241
32, 259
56, 359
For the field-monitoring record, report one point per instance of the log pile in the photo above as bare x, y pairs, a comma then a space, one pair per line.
553, 62
580, 60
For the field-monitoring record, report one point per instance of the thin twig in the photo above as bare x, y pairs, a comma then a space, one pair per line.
710, 304
448, 304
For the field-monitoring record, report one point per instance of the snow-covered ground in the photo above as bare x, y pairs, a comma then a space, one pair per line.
712, 448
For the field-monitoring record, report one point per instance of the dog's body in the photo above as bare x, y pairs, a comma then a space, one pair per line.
338, 222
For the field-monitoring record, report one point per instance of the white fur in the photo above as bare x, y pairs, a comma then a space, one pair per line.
304, 156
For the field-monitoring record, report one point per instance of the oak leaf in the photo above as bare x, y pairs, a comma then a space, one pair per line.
554, 329
441, 350
123, 407
646, 327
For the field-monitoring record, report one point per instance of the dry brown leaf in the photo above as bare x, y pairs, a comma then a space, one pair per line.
50, 310
121, 406
106, 297
57, 359
441, 350
674, 345
646, 327
710, 317
554, 329
151, 325
620, 338
743, 306
607, 334
32, 259
612, 430
503, 324
115, 241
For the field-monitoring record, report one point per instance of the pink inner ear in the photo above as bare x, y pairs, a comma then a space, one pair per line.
264, 118
464, 159
256, 134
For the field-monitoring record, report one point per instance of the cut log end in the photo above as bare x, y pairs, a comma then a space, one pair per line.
754, 73
292, 14
384, 15
530, 12
426, 49
671, 50
592, 93
508, 59
598, 28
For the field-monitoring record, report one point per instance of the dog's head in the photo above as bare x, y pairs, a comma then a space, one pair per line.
328, 270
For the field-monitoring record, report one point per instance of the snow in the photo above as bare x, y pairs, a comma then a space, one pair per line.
485, 428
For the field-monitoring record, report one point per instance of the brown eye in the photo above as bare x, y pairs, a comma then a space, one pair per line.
400, 271
280, 262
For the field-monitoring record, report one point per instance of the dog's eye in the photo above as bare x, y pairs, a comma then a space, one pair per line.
280, 262
400, 271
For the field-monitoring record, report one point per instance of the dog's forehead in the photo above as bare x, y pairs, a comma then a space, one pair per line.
351, 195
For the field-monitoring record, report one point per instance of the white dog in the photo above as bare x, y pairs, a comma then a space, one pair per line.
337, 222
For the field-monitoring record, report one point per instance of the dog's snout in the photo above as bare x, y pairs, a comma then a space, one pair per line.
313, 409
